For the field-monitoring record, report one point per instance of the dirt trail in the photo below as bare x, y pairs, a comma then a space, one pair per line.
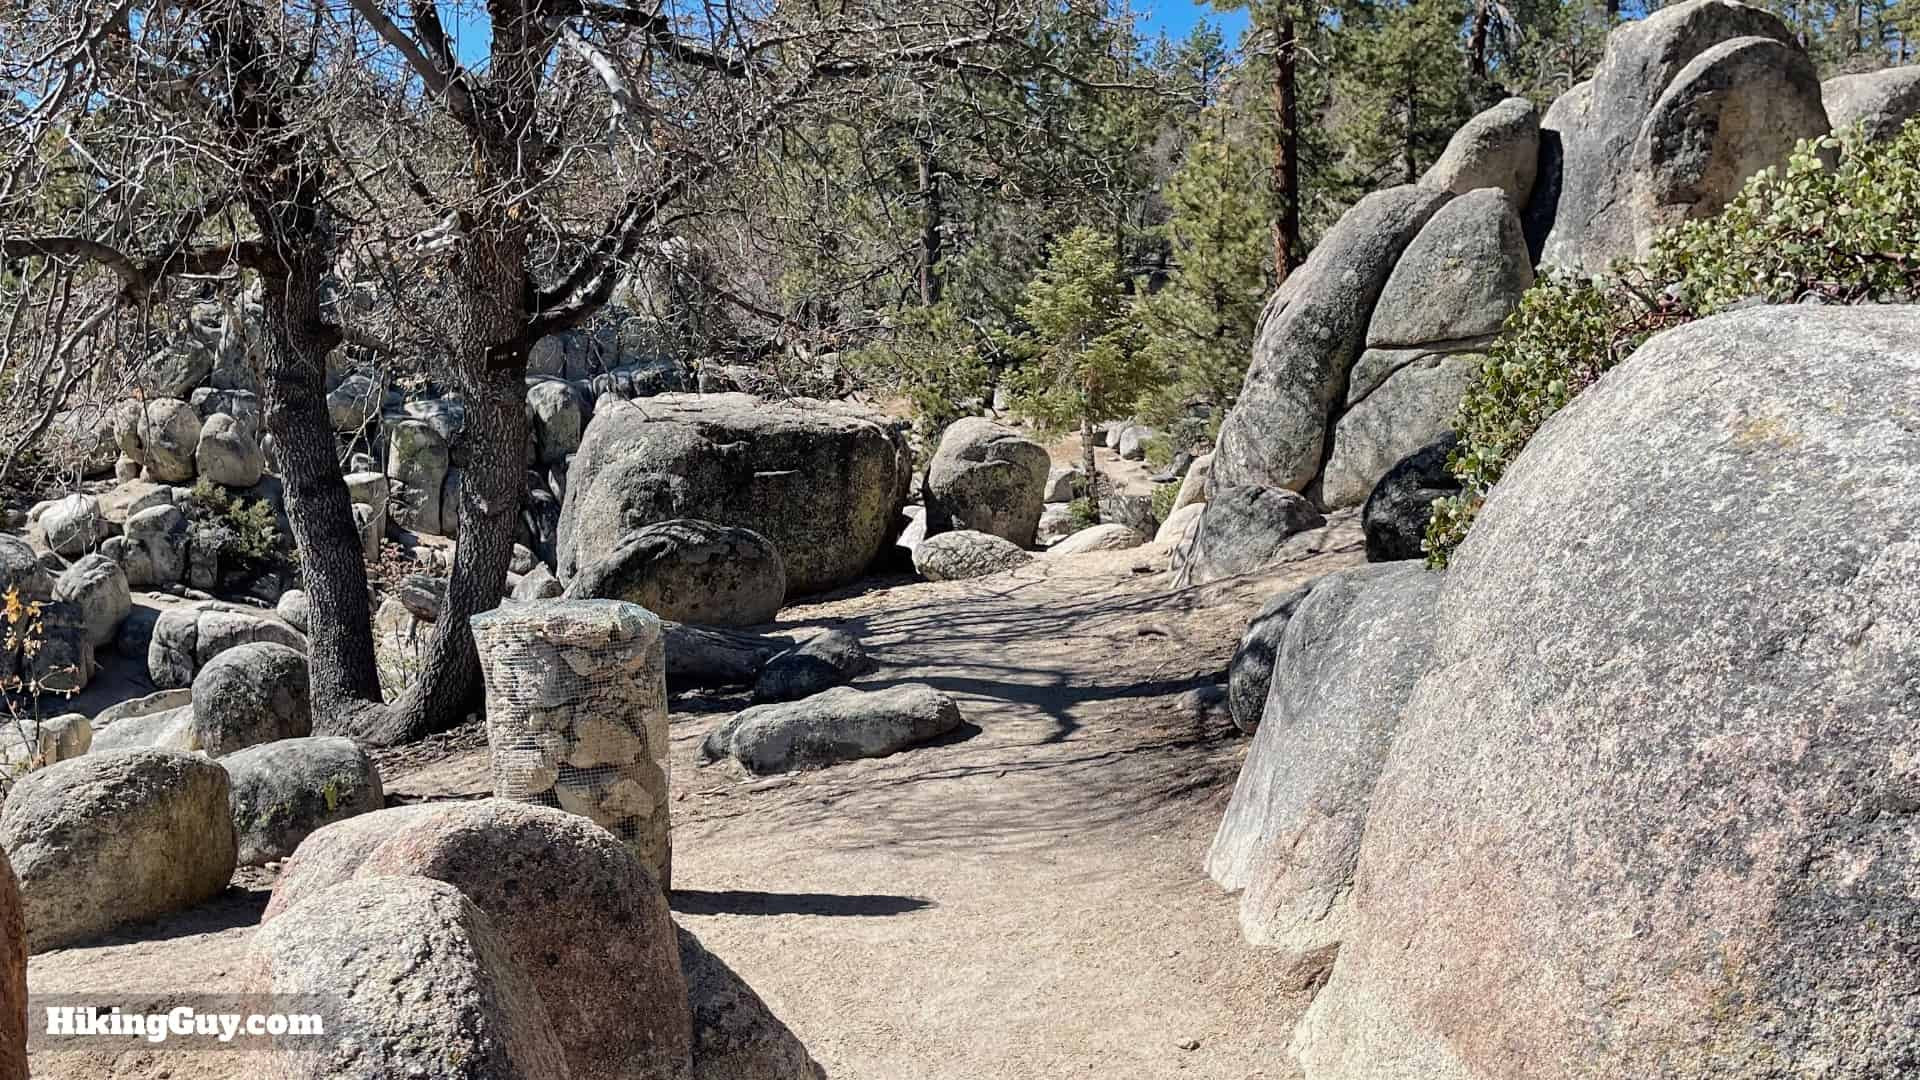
1024, 901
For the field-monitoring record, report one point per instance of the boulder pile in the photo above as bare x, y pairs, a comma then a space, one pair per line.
1657, 715
1364, 353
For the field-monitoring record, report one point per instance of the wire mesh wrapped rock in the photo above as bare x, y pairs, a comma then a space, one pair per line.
577, 715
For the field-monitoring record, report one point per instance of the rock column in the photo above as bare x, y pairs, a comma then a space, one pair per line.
577, 715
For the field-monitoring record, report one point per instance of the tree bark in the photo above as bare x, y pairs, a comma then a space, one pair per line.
1285, 179
931, 214
1088, 463
327, 543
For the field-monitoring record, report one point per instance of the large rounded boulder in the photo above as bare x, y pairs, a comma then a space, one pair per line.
1650, 809
251, 694
105, 840
186, 639
417, 981
989, 479
285, 790
1610, 169
574, 909
822, 480
958, 556
1881, 102
690, 571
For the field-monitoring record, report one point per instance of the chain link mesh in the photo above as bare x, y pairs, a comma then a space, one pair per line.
577, 715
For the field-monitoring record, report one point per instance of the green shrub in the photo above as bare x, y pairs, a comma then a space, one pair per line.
238, 529
1840, 233
1157, 451
1163, 496
1082, 514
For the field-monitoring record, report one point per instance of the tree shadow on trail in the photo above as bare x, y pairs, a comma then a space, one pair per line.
742, 902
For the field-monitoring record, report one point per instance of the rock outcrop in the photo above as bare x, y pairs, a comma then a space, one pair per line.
823, 481
283, 791
842, 724
574, 910
1613, 167
418, 981
957, 556
1880, 101
251, 694
690, 571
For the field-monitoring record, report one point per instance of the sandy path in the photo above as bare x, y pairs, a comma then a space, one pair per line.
1025, 901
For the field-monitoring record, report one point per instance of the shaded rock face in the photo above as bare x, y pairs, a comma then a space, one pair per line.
105, 840
1736, 109
1244, 529
1499, 148
13, 977
1591, 198
418, 982
573, 908
20, 569
283, 791
1346, 653
251, 694
1666, 753
1881, 101
819, 663
735, 1035
822, 481
1275, 436
690, 571
957, 556
989, 479
842, 724
1396, 515
1251, 672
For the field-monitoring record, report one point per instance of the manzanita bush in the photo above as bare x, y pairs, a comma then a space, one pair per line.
1840, 224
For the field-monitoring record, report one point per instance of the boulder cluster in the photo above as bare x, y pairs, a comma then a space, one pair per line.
1628, 789
1364, 353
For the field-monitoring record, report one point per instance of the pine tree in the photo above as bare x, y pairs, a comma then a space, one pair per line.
1084, 365
1199, 329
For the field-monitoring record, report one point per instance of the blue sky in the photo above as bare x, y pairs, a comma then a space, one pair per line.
1176, 17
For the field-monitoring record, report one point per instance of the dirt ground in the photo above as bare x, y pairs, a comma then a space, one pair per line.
1023, 901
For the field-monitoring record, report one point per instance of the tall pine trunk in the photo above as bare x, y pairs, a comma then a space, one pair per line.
1284, 182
